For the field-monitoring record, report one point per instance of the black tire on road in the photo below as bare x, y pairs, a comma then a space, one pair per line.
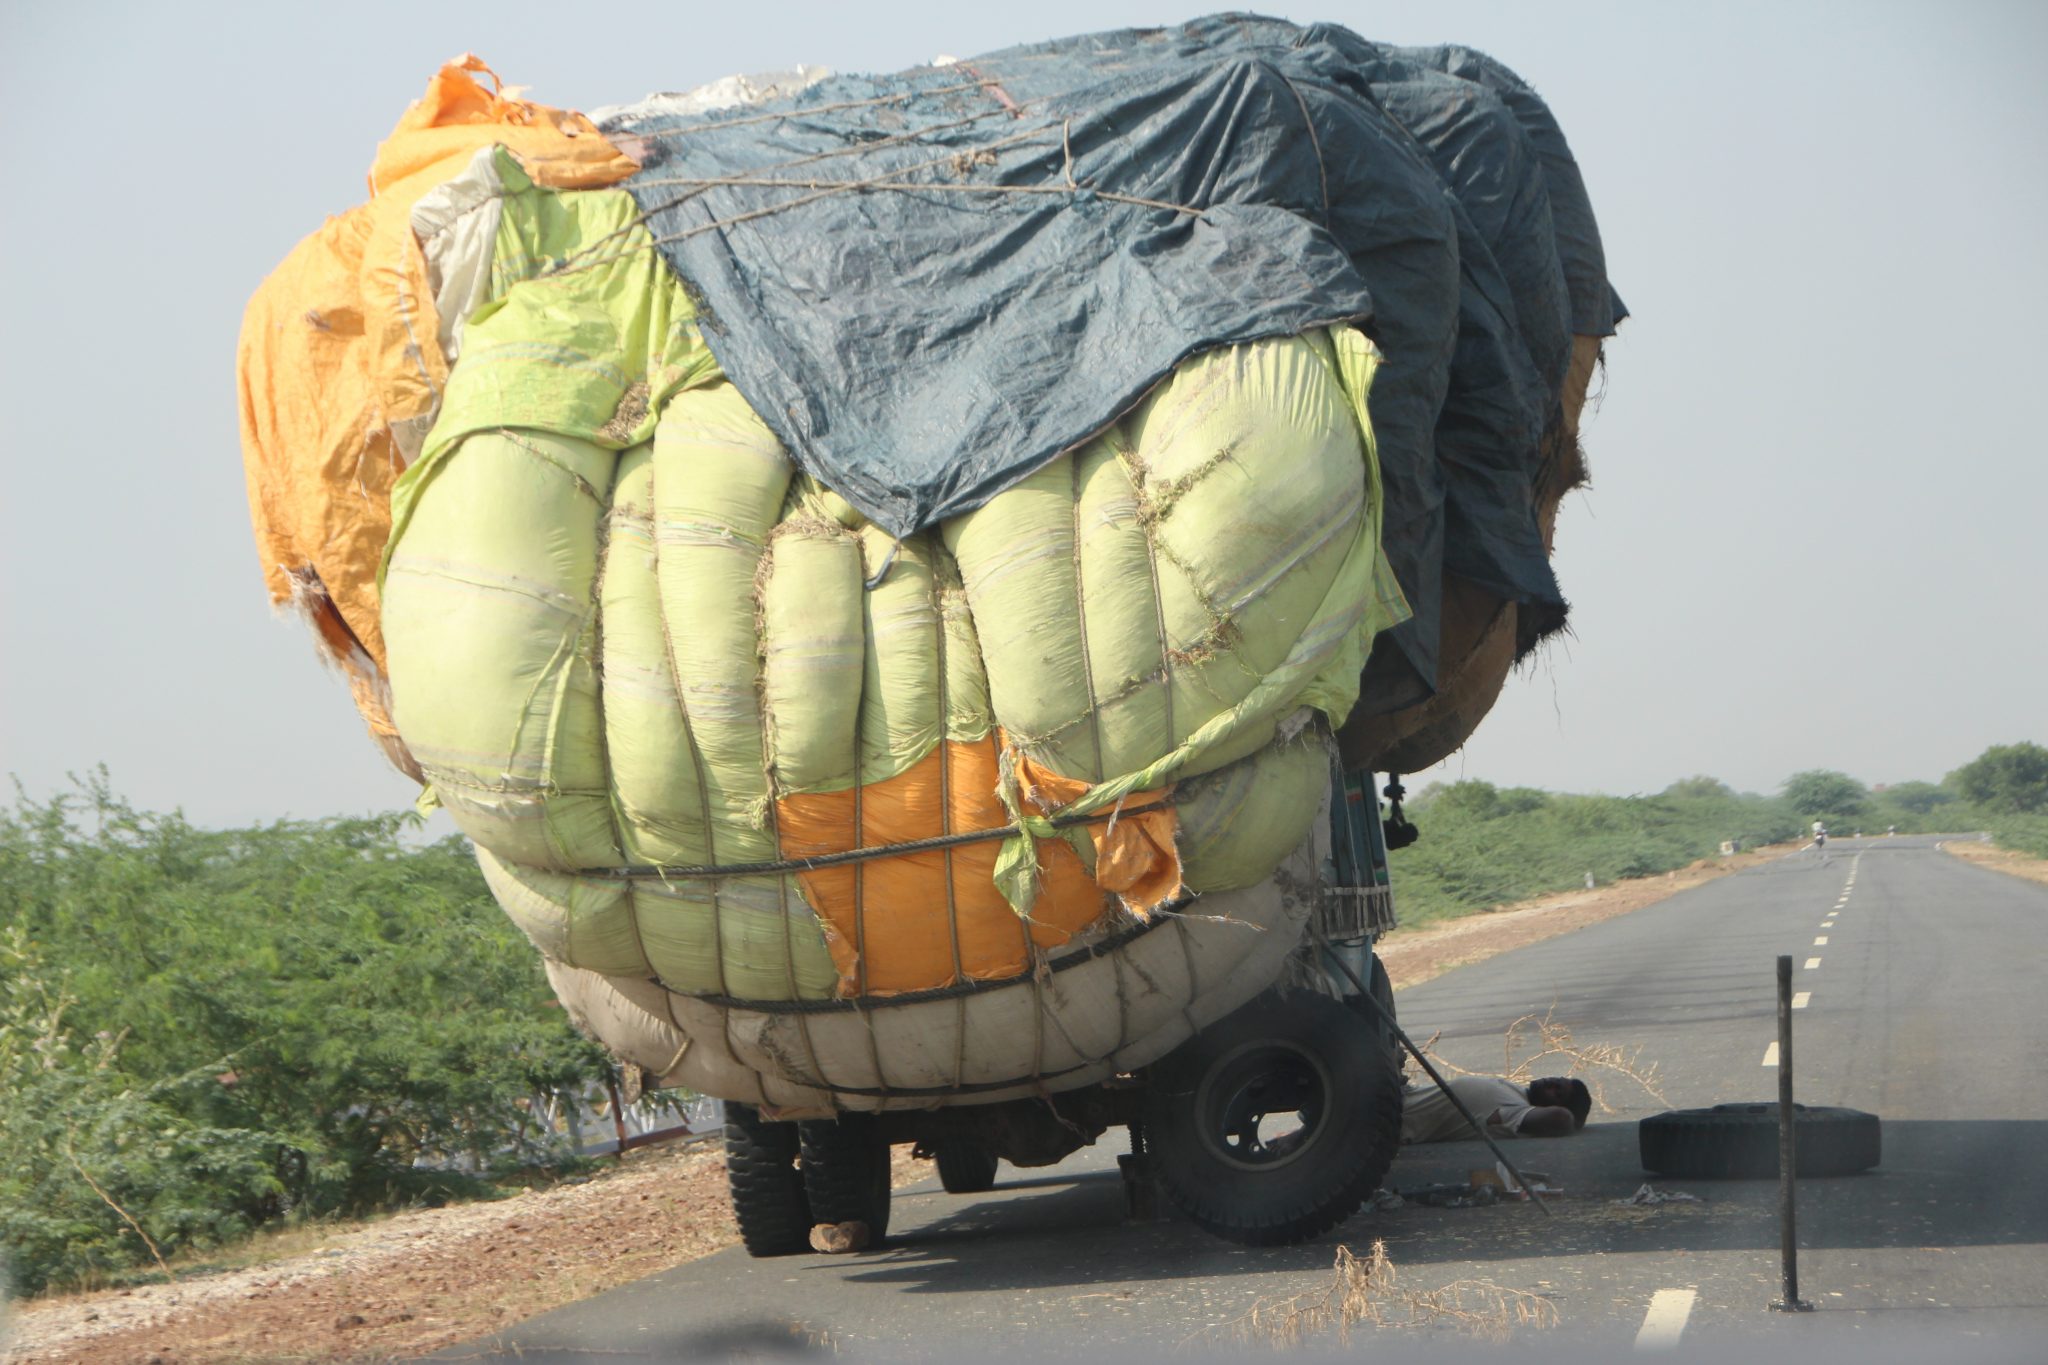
1740, 1141
965, 1167
845, 1167
768, 1198
1381, 989
1206, 1116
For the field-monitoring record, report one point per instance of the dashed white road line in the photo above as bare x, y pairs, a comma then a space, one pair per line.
1821, 942
1799, 1000
1665, 1322
1811, 963
1771, 1055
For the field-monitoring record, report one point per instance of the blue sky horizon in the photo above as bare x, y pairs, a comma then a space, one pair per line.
1814, 526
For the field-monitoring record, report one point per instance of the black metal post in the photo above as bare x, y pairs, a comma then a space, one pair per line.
1788, 1151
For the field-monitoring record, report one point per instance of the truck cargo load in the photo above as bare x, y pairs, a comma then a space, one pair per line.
891, 572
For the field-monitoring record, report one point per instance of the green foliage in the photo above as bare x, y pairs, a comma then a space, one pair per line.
1701, 787
1916, 798
81, 1141
222, 1028
1483, 800
1821, 793
2022, 833
2008, 778
1483, 846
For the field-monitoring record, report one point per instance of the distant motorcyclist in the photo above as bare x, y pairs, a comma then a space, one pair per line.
1820, 835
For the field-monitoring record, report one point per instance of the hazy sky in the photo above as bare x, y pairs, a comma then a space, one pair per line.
1814, 537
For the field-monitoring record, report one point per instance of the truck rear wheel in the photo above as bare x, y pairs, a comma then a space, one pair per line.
965, 1167
846, 1172
1272, 1125
767, 1190
1382, 1019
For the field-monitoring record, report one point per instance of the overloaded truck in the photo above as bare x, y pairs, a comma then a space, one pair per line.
911, 583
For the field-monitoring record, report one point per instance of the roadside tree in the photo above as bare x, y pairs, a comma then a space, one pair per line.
1920, 798
1699, 788
2005, 777
1822, 793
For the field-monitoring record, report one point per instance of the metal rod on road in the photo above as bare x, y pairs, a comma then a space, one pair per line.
1788, 1151
1449, 1094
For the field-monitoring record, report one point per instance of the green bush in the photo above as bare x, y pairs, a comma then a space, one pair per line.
1483, 846
1915, 798
82, 1143
2021, 833
224, 1028
2006, 779
1824, 794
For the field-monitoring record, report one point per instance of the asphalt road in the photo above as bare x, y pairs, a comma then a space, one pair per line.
1923, 994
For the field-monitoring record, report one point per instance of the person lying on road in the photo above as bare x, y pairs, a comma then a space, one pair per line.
1554, 1106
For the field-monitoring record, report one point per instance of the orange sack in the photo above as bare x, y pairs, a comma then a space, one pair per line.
946, 919
340, 345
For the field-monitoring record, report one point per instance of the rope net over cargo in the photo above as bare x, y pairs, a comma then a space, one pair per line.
683, 652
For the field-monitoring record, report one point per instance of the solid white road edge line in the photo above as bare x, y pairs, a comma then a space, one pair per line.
1665, 1322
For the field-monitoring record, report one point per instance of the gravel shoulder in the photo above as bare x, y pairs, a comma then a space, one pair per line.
1998, 859
417, 1282
410, 1283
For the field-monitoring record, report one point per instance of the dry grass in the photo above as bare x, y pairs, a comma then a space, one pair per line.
1538, 1045
1998, 859
1367, 1292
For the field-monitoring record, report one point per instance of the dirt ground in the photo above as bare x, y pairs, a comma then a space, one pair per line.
404, 1286
1998, 859
417, 1282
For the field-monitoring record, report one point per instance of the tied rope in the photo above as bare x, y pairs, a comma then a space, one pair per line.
1037, 827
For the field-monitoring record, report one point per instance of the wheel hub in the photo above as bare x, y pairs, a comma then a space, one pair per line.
1261, 1105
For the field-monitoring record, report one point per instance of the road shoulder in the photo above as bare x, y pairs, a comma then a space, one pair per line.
1998, 859
1413, 956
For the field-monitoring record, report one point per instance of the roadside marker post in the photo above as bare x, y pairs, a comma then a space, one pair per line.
1788, 1152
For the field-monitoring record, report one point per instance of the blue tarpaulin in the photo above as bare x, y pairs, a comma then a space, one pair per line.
929, 283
